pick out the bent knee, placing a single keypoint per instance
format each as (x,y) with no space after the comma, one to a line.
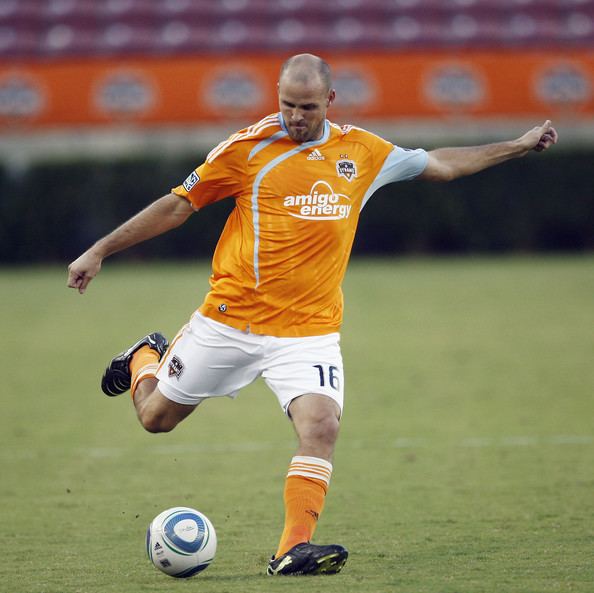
(158,414)
(156,423)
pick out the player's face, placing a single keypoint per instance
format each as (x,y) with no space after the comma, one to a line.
(304,107)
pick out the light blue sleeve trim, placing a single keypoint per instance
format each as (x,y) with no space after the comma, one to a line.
(400,165)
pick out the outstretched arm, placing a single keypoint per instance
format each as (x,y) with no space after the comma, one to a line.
(445,164)
(164,214)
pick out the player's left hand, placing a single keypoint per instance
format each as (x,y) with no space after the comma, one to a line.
(538,138)
(548,137)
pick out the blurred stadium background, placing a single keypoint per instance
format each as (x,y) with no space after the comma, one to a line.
(106,104)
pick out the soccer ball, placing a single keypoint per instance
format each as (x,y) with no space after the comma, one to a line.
(181,542)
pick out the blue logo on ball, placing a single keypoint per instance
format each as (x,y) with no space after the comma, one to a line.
(197,526)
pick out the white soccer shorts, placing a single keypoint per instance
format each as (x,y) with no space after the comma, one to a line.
(210,359)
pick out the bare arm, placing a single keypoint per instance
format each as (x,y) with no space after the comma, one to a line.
(445,164)
(164,214)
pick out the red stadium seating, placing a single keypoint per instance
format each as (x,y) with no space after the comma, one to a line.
(35,29)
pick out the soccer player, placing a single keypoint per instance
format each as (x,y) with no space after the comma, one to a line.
(275,306)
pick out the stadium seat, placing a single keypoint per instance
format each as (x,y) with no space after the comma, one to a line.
(576,27)
(64,40)
(18,44)
(174,34)
(17,9)
(121,27)
(122,38)
(524,29)
(406,32)
(178,37)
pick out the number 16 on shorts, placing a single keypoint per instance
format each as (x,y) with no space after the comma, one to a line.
(329,375)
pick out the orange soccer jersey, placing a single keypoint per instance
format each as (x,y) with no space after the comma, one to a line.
(281,258)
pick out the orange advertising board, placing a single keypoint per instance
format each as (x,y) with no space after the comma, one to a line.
(200,89)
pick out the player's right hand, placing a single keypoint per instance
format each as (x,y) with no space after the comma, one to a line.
(82,270)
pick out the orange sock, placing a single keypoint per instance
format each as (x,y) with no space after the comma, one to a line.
(305,491)
(143,365)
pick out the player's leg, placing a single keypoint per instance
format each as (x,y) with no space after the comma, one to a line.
(156,412)
(315,413)
(206,359)
(136,369)
(316,419)
(316,422)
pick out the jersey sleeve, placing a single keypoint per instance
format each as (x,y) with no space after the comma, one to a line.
(217,178)
(401,164)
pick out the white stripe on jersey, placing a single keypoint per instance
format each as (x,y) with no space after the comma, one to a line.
(253,130)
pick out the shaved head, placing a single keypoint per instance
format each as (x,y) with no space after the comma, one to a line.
(304,94)
(307,69)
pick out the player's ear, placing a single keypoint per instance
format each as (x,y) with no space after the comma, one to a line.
(331,97)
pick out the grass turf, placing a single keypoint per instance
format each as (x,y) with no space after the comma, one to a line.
(464,464)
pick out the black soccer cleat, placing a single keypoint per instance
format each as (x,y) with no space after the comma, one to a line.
(117,377)
(309,558)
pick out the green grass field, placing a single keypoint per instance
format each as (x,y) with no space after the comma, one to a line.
(465,462)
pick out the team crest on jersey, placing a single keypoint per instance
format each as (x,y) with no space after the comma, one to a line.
(192,179)
(176,367)
(347,169)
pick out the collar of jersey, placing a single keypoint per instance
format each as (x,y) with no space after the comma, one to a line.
(323,139)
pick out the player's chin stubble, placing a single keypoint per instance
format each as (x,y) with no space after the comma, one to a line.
(305,135)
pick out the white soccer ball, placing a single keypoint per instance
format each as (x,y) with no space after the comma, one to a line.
(181,542)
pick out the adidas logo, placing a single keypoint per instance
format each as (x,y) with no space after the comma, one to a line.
(315,155)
